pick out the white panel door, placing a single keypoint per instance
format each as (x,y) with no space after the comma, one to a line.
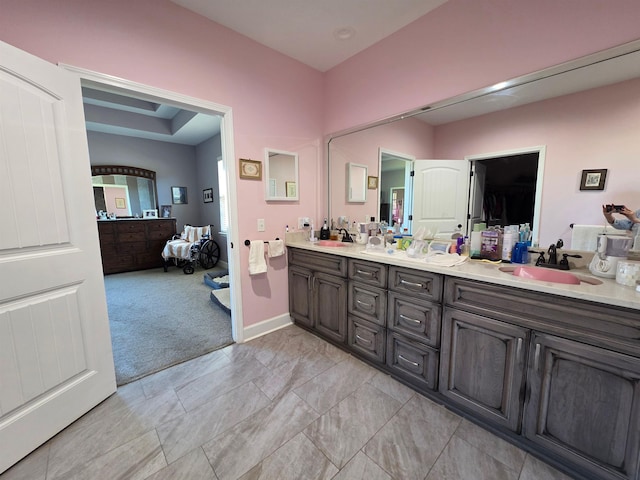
(440,195)
(55,348)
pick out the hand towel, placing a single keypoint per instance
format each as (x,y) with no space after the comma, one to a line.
(257,263)
(276,248)
(585,237)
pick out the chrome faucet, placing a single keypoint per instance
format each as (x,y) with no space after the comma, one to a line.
(345,235)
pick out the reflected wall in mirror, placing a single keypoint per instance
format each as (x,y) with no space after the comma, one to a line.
(356,183)
(122,190)
(590,128)
(281,173)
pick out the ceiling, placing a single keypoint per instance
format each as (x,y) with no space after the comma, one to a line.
(318,33)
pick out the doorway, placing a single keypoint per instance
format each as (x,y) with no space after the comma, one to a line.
(192,106)
(506,188)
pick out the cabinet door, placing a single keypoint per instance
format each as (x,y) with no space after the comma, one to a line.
(330,306)
(482,366)
(300,283)
(584,404)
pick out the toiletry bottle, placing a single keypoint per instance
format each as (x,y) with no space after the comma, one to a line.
(324,231)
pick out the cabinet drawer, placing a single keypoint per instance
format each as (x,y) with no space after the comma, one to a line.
(129,226)
(414,318)
(320,262)
(132,247)
(424,285)
(368,272)
(366,338)
(161,226)
(131,237)
(368,302)
(412,361)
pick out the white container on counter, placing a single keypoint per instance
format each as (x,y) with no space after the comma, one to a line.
(628,272)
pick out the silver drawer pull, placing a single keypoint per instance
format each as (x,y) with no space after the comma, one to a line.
(409,319)
(368,305)
(400,357)
(536,357)
(358,337)
(518,349)
(412,284)
(365,273)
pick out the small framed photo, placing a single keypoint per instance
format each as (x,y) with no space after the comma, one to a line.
(120,203)
(593,179)
(372,183)
(150,213)
(292,190)
(207,195)
(165,211)
(179,195)
(250,169)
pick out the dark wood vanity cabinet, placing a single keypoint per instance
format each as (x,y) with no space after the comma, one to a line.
(584,405)
(547,368)
(128,245)
(318,293)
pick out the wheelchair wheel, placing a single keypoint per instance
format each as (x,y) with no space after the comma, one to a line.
(209,254)
(188,269)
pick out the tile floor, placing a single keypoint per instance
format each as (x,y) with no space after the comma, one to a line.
(284,406)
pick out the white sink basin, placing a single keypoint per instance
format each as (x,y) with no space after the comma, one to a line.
(549,275)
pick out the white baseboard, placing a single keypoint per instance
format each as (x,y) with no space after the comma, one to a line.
(266,326)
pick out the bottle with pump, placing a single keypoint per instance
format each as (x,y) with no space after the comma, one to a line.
(324,231)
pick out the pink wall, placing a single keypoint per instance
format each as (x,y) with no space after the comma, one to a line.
(464,45)
(110,195)
(588,130)
(276,101)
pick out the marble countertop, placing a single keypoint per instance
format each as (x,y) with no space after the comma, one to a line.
(609,292)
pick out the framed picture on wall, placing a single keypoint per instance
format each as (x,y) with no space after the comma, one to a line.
(179,195)
(207,195)
(120,203)
(372,182)
(250,169)
(593,179)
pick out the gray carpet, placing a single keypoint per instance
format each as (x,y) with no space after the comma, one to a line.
(160,319)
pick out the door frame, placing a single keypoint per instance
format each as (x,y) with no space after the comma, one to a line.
(541,150)
(408,182)
(119,85)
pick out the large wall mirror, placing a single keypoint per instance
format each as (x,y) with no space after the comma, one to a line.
(281,174)
(542,129)
(123,191)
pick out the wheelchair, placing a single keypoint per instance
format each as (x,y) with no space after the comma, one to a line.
(194,246)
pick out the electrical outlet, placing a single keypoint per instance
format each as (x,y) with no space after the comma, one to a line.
(302,221)
(261,227)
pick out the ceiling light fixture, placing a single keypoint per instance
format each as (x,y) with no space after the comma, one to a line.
(344,33)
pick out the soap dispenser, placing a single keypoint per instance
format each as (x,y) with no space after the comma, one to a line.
(324,231)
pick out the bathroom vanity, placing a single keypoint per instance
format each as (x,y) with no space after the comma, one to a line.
(553,368)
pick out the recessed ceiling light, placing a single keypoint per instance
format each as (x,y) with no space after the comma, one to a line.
(344,33)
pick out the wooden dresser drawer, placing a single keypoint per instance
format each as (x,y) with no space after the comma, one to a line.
(419,284)
(131,237)
(415,318)
(130,226)
(366,338)
(368,302)
(320,262)
(368,272)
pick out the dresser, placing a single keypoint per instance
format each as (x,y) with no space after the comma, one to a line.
(128,245)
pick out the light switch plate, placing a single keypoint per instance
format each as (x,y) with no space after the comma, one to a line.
(261,226)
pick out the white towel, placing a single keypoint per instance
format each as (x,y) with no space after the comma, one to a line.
(276,248)
(257,263)
(585,237)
